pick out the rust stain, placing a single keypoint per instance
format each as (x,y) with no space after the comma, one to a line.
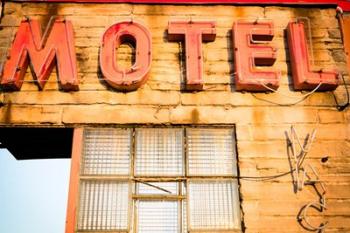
(258,116)
(195,116)
(6,115)
(52,10)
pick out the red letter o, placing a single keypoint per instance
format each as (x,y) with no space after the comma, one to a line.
(133,77)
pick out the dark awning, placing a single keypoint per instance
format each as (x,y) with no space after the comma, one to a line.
(37,143)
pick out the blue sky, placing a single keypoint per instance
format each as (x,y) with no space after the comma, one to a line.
(33,194)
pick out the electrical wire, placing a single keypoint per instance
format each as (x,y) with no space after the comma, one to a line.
(290,96)
(342,107)
(304,97)
(263,178)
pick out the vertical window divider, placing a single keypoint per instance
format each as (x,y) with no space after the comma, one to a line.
(132,211)
(184,165)
(133,152)
(130,204)
(82,157)
(187,180)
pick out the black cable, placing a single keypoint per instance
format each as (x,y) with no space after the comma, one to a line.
(343,106)
(249,178)
(262,178)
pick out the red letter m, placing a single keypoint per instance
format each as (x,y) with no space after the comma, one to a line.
(42,51)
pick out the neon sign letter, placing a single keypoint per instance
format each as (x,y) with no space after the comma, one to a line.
(250,49)
(126,32)
(193,33)
(303,77)
(42,51)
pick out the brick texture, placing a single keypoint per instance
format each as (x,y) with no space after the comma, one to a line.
(261,119)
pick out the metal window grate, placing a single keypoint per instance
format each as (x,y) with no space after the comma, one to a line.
(106,151)
(158,217)
(211,205)
(103,205)
(211,152)
(159,152)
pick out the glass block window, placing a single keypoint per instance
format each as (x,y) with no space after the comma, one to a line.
(211,152)
(103,205)
(106,151)
(158,217)
(212,205)
(159,152)
(159,180)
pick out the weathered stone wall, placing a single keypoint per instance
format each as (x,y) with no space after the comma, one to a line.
(268,206)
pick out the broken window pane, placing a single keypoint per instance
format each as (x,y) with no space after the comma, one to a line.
(166,188)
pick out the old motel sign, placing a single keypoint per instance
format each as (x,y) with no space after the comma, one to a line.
(251,40)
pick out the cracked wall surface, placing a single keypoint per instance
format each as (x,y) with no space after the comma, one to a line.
(261,123)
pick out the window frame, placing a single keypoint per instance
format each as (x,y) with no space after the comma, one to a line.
(77,177)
